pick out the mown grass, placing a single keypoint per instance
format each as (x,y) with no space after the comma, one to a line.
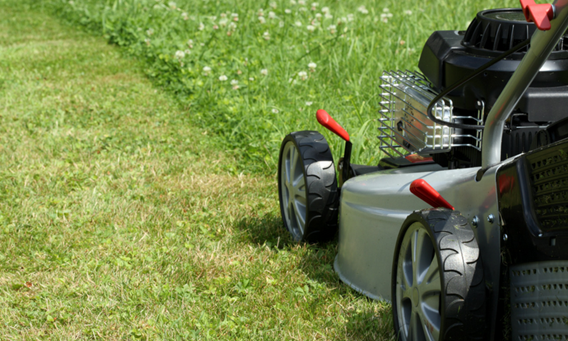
(350,43)
(120,220)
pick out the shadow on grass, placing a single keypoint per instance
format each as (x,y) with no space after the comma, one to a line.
(367,324)
(269,230)
(266,230)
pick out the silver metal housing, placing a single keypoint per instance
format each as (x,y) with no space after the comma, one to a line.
(373,208)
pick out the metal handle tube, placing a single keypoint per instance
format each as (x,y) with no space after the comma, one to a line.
(542,44)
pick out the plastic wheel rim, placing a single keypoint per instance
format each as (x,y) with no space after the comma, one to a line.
(293,185)
(418,286)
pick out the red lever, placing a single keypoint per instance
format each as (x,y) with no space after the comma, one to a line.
(540,14)
(424,191)
(325,120)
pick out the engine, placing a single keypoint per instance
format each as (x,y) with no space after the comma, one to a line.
(450,56)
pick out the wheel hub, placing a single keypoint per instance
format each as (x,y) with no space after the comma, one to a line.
(415,297)
(294,194)
(418,286)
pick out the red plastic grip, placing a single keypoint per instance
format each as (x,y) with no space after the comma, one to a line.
(540,14)
(424,191)
(325,120)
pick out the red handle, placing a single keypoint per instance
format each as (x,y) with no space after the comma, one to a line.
(325,120)
(540,14)
(424,191)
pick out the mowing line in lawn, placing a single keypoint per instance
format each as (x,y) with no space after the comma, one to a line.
(120,220)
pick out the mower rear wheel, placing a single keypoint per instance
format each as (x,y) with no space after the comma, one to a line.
(307,187)
(438,291)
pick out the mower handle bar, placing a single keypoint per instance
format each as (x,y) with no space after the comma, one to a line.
(541,45)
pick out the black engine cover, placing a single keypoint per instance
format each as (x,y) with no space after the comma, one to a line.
(450,56)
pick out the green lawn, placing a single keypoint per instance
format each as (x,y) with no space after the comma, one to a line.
(253,71)
(138,197)
(120,220)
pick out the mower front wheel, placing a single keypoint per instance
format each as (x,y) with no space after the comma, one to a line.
(307,187)
(438,292)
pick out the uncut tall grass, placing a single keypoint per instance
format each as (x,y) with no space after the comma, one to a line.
(250,72)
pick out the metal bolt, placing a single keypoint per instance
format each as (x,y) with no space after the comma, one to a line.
(505,237)
(475,221)
(490,219)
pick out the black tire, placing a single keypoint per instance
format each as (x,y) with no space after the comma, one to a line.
(431,240)
(307,187)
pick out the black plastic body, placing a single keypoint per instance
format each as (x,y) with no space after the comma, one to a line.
(445,60)
(450,56)
(533,204)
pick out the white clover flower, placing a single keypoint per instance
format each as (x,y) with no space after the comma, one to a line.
(325,10)
(234,82)
(232,26)
(293,2)
(201,26)
(303,75)
(275,111)
(264,72)
(312,66)
(185,16)
(318,15)
(281,24)
(287,11)
(266,35)
(260,12)
(251,79)
(179,54)
(223,15)
(261,20)
(386,10)
(350,17)
(302,9)
(408,12)
(150,32)
(234,15)
(206,69)
(272,15)
(301,2)
(311,28)
(273,5)
(309,104)
(332,29)
(298,23)
(172,5)
(223,78)
(363,10)
(328,16)
(147,41)
(315,4)
(223,22)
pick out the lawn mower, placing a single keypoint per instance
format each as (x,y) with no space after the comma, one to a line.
(463,224)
